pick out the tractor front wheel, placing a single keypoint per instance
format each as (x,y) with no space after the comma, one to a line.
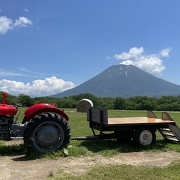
(46,132)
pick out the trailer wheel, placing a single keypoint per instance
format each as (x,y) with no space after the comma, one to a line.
(46,132)
(145,136)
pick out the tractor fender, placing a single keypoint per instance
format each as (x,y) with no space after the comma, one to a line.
(39,108)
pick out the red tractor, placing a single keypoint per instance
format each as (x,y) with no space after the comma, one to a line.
(44,127)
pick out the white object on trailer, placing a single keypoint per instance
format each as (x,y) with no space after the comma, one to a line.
(83,105)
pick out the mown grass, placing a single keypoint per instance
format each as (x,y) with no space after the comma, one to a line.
(124,172)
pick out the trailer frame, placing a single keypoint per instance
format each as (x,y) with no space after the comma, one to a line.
(140,129)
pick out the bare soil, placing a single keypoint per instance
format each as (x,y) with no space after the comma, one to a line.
(18,167)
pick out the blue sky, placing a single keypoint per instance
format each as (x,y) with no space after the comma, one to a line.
(48,46)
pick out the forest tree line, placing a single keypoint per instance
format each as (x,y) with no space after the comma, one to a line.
(164,103)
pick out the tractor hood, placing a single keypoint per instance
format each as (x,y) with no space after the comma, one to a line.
(9,110)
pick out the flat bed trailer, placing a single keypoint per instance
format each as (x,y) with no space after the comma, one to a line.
(140,129)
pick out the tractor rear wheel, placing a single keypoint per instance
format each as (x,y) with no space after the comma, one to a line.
(46,132)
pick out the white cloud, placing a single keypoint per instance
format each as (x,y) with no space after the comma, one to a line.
(31,73)
(165,52)
(8,24)
(108,57)
(47,86)
(10,73)
(6,73)
(133,53)
(5,24)
(26,10)
(151,63)
(22,22)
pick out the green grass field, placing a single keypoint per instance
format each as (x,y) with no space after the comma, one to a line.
(124,172)
(79,127)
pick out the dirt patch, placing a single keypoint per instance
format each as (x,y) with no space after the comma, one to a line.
(18,167)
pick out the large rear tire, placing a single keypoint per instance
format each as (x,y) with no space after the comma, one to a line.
(46,132)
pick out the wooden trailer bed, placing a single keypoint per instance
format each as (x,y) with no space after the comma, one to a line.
(137,120)
(99,117)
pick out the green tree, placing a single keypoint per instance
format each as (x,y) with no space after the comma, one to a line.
(119,103)
(25,100)
(107,103)
(68,103)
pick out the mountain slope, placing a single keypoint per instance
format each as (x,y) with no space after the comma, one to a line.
(125,81)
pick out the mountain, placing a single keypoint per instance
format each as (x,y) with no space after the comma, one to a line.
(124,81)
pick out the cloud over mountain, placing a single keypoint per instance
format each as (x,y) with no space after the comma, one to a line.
(151,63)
